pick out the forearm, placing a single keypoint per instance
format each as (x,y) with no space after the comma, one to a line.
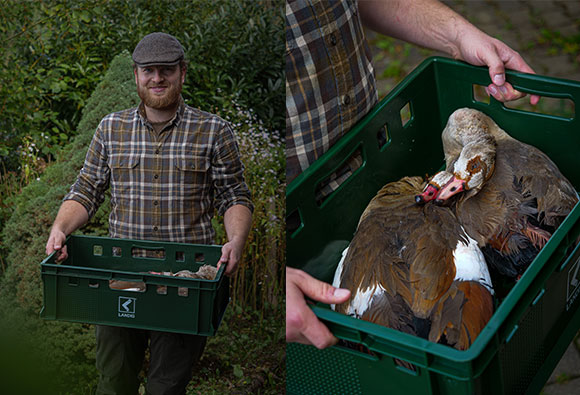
(238,221)
(427,23)
(71,216)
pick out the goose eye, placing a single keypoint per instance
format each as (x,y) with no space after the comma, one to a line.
(474,166)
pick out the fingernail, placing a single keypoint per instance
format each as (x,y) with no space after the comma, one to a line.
(341,292)
(499,79)
(503,90)
(492,89)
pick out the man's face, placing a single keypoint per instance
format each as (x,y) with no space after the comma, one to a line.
(159,86)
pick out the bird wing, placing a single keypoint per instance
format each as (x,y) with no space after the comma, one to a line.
(461,314)
(540,179)
(400,251)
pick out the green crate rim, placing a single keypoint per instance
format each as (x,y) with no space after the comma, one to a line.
(534,84)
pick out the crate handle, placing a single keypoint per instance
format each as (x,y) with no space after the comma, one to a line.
(124,276)
(334,322)
(147,248)
(356,353)
(537,85)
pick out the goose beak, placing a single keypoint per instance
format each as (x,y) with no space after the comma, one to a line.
(453,187)
(428,194)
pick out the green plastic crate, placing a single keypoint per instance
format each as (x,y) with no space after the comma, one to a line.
(534,324)
(78,289)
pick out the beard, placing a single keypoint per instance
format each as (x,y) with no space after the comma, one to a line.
(164,102)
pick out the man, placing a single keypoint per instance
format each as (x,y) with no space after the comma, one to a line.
(168,166)
(330,86)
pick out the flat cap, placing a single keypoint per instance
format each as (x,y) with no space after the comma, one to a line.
(158,49)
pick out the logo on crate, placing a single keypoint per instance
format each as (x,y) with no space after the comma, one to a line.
(127,307)
(573,284)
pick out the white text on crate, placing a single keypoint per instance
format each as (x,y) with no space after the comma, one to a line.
(126,307)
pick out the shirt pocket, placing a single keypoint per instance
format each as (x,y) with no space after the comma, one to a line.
(192,175)
(124,169)
(126,176)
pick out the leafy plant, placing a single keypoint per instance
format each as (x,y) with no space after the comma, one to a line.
(55,54)
(70,347)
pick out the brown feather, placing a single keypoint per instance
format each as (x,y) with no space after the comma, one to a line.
(405,248)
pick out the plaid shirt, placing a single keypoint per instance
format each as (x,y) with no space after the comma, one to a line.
(330,83)
(163,185)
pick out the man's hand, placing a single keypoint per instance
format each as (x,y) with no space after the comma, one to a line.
(231,255)
(432,24)
(56,242)
(479,49)
(71,216)
(237,221)
(302,325)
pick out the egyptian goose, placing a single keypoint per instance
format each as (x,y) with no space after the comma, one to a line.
(412,268)
(514,196)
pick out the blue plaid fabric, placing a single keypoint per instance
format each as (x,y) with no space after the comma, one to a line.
(164,186)
(330,81)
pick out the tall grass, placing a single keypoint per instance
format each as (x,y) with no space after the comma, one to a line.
(259,282)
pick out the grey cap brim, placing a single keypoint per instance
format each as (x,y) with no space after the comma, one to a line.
(159,63)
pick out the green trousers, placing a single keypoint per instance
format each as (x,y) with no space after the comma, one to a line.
(120,355)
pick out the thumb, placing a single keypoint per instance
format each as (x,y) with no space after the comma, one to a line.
(491,58)
(224,258)
(322,292)
(496,67)
(225,253)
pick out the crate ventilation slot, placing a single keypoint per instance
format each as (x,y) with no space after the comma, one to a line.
(406,114)
(558,107)
(330,184)
(139,252)
(383,137)
(293,222)
(97,250)
(480,95)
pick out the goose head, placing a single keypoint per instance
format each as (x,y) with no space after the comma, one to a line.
(434,186)
(472,169)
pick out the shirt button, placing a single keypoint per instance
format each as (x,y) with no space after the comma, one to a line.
(156,176)
(155,203)
(346,99)
(157,151)
(333,39)
(155,228)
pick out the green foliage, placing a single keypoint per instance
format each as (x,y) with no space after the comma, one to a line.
(68,349)
(56,52)
(259,282)
(243,357)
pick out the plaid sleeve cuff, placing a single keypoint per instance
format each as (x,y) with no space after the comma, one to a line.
(241,196)
(85,201)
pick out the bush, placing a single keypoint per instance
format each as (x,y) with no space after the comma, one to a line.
(69,348)
(66,350)
(55,53)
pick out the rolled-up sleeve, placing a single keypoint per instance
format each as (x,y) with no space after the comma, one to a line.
(228,173)
(93,179)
